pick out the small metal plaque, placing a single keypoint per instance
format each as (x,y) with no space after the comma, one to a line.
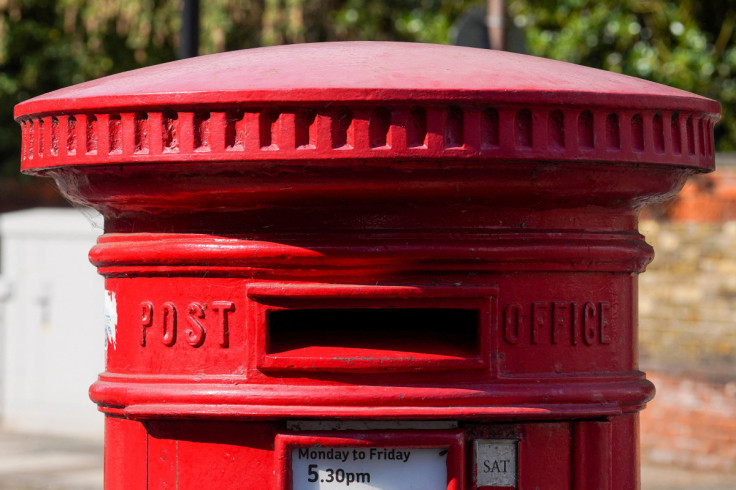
(495,463)
(368,468)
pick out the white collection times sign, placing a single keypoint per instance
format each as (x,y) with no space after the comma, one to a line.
(368,468)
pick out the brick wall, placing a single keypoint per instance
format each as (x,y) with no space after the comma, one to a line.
(687,325)
(687,296)
(705,198)
(691,423)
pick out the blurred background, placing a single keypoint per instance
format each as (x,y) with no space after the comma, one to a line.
(51,301)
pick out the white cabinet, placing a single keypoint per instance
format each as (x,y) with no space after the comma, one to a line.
(52,336)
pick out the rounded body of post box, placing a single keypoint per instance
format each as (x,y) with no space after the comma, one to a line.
(416,269)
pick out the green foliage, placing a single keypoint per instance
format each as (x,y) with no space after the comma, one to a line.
(49,44)
(685,44)
(428,21)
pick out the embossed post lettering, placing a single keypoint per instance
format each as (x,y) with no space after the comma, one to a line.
(196,332)
(224,308)
(169,324)
(197,324)
(146,319)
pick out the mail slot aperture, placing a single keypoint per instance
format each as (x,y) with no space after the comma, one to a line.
(442,332)
(357,328)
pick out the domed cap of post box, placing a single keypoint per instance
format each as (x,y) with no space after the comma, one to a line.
(365,100)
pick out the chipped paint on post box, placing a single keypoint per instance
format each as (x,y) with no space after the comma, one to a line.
(436,243)
(111,319)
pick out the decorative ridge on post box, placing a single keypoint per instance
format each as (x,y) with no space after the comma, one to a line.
(437,245)
(273,104)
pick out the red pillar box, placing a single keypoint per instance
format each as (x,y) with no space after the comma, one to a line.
(370,265)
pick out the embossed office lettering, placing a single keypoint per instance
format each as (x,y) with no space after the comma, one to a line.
(557,322)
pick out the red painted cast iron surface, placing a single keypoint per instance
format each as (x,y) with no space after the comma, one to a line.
(369,231)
